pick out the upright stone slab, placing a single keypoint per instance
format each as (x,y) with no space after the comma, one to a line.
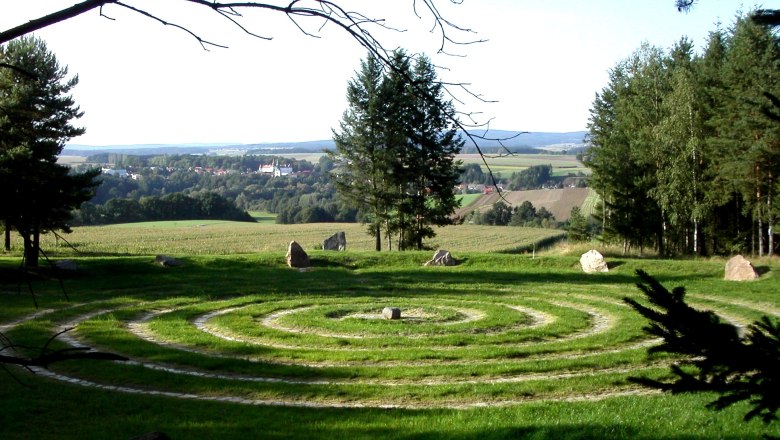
(296,256)
(391,313)
(593,261)
(738,268)
(441,258)
(336,242)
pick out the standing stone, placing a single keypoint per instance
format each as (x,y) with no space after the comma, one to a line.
(391,313)
(593,261)
(442,258)
(336,242)
(738,268)
(296,256)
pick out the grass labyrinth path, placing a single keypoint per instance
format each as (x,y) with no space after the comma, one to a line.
(317,339)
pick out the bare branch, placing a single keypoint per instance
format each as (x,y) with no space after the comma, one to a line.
(203,43)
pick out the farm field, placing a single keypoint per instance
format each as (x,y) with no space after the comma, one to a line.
(504,166)
(240,346)
(200,237)
(558,201)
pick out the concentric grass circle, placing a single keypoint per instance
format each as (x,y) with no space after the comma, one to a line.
(459,350)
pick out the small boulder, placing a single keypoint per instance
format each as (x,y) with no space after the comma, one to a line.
(391,313)
(593,261)
(738,268)
(66,265)
(296,256)
(442,258)
(336,242)
(166,261)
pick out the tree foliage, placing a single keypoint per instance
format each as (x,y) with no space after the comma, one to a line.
(35,122)
(717,359)
(534,177)
(395,150)
(682,150)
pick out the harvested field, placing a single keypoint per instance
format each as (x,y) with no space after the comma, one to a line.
(557,201)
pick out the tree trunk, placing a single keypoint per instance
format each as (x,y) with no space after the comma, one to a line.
(770,218)
(30,252)
(7,237)
(378,237)
(760,230)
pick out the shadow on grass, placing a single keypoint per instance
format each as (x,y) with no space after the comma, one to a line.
(762,270)
(51,410)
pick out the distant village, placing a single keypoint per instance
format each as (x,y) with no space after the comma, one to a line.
(275,169)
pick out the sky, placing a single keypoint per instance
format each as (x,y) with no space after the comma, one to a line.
(542,62)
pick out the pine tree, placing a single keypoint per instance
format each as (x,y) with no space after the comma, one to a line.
(628,213)
(35,113)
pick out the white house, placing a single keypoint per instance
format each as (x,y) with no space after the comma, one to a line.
(275,169)
(115,173)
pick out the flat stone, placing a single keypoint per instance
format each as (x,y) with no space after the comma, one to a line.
(66,265)
(166,261)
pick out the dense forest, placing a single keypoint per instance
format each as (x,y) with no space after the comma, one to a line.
(685,147)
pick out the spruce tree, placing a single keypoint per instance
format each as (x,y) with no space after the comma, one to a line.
(433,171)
(35,122)
(395,150)
(361,157)
(716,358)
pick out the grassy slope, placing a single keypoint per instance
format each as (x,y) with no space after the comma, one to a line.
(56,410)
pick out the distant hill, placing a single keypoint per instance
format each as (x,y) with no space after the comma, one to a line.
(513,140)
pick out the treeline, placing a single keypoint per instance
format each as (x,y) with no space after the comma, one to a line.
(177,206)
(533,177)
(578,226)
(501,214)
(685,148)
(245,163)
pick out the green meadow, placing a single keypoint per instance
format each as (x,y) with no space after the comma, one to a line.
(234,344)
